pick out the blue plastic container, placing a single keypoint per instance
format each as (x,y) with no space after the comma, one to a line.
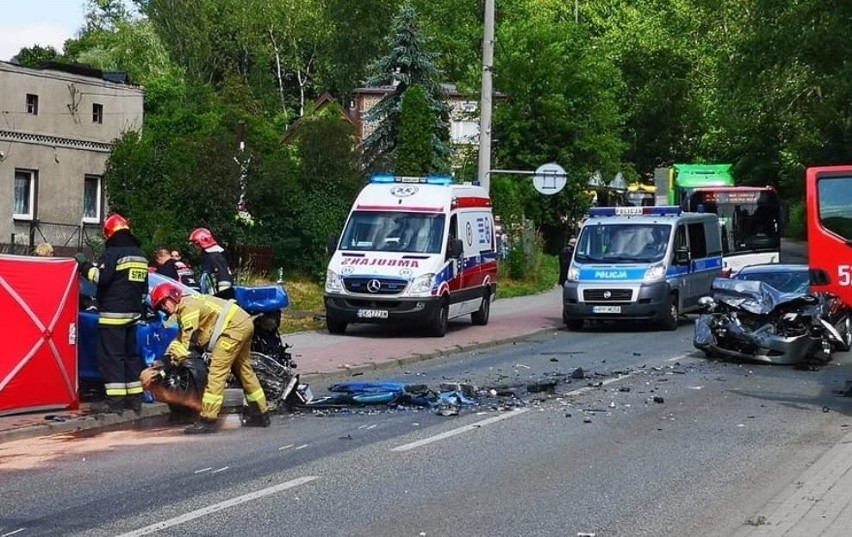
(268,299)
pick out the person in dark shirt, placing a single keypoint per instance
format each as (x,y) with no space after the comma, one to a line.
(166,265)
(121,276)
(216,277)
(565,260)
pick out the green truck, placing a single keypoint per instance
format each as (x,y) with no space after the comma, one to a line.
(674,185)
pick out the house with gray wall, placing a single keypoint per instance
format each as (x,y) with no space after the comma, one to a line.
(57,127)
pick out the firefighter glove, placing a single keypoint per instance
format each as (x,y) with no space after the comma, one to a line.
(81,257)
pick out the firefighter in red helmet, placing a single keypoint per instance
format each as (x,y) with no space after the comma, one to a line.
(216,277)
(121,276)
(223,329)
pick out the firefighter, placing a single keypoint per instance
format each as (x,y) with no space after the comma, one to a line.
(175,269)
(121,276)
(225,330)
(214,266)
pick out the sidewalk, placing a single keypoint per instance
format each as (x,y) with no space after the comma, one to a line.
(321,355)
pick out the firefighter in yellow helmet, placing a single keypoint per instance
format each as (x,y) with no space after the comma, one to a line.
(225,330)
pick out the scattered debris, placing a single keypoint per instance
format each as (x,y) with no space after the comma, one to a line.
(624,389)
(554,359)
(578,373)
(825,409)
(542,386)
(658,399)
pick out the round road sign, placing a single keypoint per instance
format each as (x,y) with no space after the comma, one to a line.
(549,178)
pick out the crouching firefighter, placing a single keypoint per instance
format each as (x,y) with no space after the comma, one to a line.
(223,329)
(121,275)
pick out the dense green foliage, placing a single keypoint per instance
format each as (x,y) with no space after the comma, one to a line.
(629,86)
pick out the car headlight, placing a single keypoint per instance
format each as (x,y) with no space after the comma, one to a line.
(654,273)
(573,274)
(421,284)
(333,283)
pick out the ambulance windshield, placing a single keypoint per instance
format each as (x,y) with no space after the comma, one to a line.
(394,232)
(622,243)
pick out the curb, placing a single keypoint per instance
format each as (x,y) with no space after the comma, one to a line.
(421,357)
(153,410)
(84,423)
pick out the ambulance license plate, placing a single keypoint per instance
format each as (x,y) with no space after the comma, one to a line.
(373,314)
(606,309)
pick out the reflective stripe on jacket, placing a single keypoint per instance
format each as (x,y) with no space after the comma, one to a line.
(202,320)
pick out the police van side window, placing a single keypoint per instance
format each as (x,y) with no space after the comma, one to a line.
(679,240)
(697,240)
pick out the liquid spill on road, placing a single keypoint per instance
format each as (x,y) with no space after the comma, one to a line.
(32,453)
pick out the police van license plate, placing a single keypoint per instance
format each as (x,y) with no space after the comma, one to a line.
(373,314)
(606,309)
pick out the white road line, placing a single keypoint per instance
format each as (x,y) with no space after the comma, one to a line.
(683,356)
(220,470)
(303,446)
(198,513)
(288,446)
(19,530)
(204,470)
(460,430)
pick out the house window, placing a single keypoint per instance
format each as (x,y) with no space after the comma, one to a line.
(97,113)
(464,132)
(32,104)
(92,199)
(25,191)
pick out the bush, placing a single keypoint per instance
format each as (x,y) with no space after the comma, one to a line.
(797,227)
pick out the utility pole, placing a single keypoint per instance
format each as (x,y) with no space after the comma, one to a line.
(486,97)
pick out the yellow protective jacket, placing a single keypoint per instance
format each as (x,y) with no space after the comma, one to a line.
(202,319)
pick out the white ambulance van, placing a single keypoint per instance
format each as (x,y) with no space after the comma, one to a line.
(414,251)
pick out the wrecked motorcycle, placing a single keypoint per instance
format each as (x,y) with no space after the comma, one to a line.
(753,321)
(182,386)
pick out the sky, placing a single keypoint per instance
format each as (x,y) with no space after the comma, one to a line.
(24,23)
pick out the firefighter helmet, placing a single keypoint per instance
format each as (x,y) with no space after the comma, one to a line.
(113,224)
(163,291)
(202,238)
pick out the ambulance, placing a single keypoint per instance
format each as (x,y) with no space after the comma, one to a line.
(414,251)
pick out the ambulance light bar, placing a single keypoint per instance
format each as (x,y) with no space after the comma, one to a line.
(428,180)
(635,211)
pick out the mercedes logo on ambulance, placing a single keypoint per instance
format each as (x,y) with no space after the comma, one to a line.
(607,295)
(373,286)
(403,191)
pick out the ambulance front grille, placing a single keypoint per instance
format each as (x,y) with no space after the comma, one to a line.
(374,286)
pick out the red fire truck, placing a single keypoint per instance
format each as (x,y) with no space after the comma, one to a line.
(829,210)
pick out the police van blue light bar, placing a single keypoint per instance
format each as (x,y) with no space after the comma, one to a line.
(635,211)
(429,179)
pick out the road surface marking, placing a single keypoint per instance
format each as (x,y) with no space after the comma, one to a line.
(288,446)
(303,446)
(220,470)
(204,470)
(198,513)
(683,356)
(460,430)
(19,530)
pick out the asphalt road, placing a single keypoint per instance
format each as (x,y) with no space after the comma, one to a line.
(592,457)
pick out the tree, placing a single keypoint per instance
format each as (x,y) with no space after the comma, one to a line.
(563,107)
(415,149)
(36,55)
(408,63)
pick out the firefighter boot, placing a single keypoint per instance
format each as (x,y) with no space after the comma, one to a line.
(202,426)
(110,405)
(254,417)
(134,403)
(258,420)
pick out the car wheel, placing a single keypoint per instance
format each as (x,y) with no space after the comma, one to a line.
(847,332)
(438,327)
(672,314)
(334,326)
(481,316)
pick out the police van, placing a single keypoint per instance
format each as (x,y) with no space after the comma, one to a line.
(641,263)
(414,251)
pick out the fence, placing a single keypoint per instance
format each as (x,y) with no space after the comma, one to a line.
(66,239)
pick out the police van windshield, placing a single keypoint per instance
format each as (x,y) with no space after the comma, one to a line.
(394,232)
(622,243)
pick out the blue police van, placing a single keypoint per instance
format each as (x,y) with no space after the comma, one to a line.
(641,263)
